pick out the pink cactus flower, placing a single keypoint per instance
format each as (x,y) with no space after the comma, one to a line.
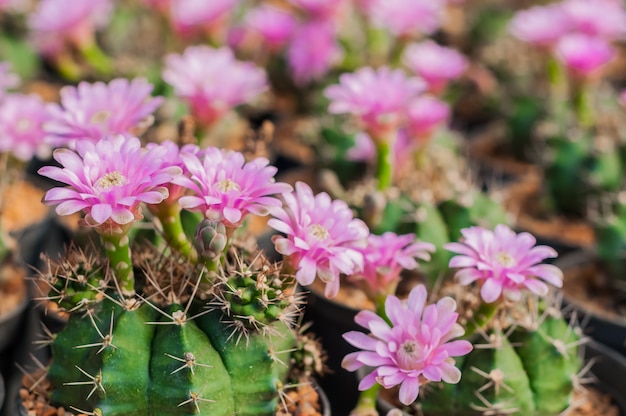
(386,256)
(378,97)
(540,25)
(192,16)
(322,237)
(173,158)
(313,51)
(424,114)
(226,188)
(407,17)
(417,347)
(583,54)
(505,262)
(8,79)
(212,81)
(93,111)
(274,25)
(601,18)
(54,25)
(21,120)
(108,181)
(436,64)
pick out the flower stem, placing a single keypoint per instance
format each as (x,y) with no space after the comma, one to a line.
(97,58)
(384,165)
(117,250)
(483,315)
(583,106)
(366,404)
(174,232)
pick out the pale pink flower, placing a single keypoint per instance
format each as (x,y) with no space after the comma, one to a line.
(173,157)
(417,347)
(93,111)
(319,9)
(386,256)
(424,114)
(378,97)
(313,51)
(273,24)
(322,237)
(436,64)
(226,188)
(407,17)
(54,25)
(504,262)
(21,120)
(191,16)
(212,81)
(601,18)
(8,79)
(108,181)
(540,25)
(583,54)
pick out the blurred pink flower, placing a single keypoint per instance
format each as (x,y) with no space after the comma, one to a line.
(424,114)
(226,188)
(21,120)
(540,25)
(273,24)
(212,81)
(601,18)
(8,79)
(407,17)
(386,256)
(583,54)
(505,262)
(436,64)
(192,16)
(414,348)
(322,237)
(313,51)
(54,25)
(93,111)
(378,97)
(108,180)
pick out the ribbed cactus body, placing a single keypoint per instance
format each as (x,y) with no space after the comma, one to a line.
(156,365)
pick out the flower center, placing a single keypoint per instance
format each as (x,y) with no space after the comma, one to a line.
(505,259)
(319,232)
(410,355)
(23,125)
(111,179)
(100,117)
(226,185)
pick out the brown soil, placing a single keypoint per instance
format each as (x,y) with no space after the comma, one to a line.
(12,287)
(21,206)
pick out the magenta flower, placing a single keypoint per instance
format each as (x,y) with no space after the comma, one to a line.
(212,81)
(540,25)
(601,18)
(378,97)
(505,262)
(386,255)
(54,26)
(93,111)
(313,51)
(583,54)
(8,79)
(322,237)
(192,16)
(416,348)
(407,17)
(436,64)
(226,188)
(21,120)
(108,180)
(274,25)
(424,114)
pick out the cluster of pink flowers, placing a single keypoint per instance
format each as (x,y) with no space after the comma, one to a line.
(407,18)
(505,263)
(93,111)
(212,81)
(578,32)
(414,347)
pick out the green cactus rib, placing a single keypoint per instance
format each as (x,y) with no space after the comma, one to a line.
(133,363)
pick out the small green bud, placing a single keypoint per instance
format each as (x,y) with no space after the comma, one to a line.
(210,239)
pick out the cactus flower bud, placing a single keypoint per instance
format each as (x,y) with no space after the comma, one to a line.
(210,239)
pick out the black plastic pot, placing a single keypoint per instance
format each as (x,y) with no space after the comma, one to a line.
(608,370)
(10,324)
(610,331)
(2,392)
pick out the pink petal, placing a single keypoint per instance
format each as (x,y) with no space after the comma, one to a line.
(409,391)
